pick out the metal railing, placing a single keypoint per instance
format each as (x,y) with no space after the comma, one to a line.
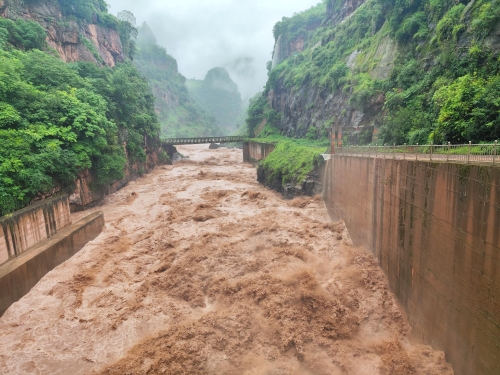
(487,153)
(202,140)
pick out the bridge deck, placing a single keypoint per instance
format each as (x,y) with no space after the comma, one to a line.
(202,140)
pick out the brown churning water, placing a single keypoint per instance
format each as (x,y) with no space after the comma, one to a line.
(202,271)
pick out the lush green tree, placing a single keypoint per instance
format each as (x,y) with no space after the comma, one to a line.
(469,110)
(59,119)
(22,34)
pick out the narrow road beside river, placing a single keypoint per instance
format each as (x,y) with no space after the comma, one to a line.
(200,270)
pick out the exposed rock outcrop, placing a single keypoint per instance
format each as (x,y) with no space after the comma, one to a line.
(285,47)
(312,185)
(73,41)
(336,14)
(2,7)
(312,106)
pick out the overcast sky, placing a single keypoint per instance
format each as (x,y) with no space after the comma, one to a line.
(203,34)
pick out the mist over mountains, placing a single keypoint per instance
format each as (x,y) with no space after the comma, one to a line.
(218,95)
(201,35)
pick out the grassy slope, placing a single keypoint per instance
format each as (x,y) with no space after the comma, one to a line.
(294,159)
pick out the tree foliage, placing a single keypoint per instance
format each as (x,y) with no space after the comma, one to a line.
(443,82)
(59,119)
(22,34)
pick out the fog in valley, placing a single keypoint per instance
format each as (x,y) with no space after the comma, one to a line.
(203,34)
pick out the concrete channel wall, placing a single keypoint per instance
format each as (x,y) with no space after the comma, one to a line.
(255,151)
(435,229)
(18,276)
(31,225)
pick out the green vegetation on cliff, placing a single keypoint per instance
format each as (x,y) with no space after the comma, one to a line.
(218,95)
(417,72)
(292,159)
(57,119)
(434,66)
(21,34)
(178,114)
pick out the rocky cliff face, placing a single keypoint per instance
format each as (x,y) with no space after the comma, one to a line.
(72,40)
(371,71)
(86,195)
(337,11)
(2,7)
(312,106)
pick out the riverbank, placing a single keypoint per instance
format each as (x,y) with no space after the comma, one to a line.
(201,270)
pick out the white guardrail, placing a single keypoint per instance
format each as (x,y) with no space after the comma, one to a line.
(487,153)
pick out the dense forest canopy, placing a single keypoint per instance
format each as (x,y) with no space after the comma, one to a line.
(58,119)
(444,82)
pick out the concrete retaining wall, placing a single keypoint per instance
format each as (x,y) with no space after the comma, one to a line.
(29,226)
(255,151)
(435,229)
(18,276)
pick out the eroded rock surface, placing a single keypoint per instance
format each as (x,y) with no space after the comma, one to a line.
(73,41)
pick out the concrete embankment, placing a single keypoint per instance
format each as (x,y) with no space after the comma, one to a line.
(435,229)
(29,226)
(22,273)
(256,151)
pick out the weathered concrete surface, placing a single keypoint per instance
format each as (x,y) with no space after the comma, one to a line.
(435,229)
(18,276)
(256,151)
(27,227)
(66,35)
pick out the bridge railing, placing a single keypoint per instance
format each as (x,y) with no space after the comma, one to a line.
(467,153)
(202,140)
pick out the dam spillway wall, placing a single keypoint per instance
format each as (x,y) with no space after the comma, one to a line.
(31,225)
(256,151)
(19,275)
(435,230)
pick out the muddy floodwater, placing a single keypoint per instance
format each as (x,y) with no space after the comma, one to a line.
(200,270)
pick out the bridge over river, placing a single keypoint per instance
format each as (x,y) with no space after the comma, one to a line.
(202,140)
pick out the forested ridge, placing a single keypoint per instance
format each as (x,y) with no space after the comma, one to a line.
(104,112)
(417,71)
(378,72)
(178,114)
(58,119)
(218,94)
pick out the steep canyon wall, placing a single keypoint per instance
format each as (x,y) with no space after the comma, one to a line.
(435,229)
(74,41)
